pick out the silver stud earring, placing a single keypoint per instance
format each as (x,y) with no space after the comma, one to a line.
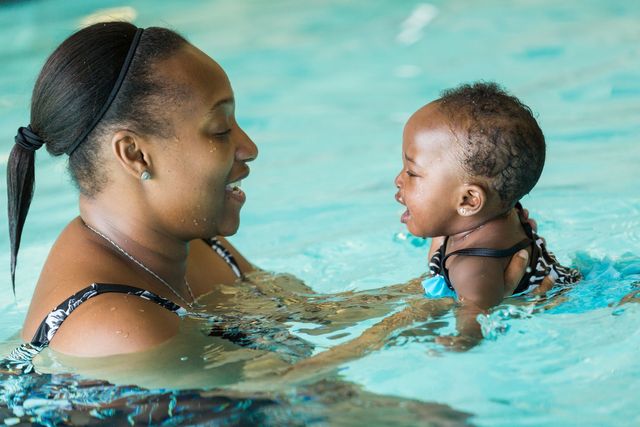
(145,175)
(462,211)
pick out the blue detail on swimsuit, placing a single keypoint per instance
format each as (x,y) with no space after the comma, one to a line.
(436,287)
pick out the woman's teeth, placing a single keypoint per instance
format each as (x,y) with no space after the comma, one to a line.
(233,186)
(234,191)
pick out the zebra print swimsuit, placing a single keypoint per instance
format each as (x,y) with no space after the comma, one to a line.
(543,263)
(22,357)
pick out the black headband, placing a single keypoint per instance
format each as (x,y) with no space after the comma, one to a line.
(114,91)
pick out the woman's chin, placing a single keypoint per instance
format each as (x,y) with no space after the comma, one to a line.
(229,226)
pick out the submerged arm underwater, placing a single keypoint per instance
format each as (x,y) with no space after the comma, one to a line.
(417,309)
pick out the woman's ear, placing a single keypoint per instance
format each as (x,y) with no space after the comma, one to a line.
(132,153)
(471,200)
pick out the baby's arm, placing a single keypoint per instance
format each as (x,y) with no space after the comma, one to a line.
(480,285)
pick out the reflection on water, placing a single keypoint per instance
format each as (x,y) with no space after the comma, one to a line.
(250,334)
(229,368)
(51,399)
(246,341)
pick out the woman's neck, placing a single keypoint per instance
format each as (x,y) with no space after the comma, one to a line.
(128,227)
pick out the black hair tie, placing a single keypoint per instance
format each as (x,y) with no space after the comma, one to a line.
(28,139)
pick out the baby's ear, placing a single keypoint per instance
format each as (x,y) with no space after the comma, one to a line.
(471,200)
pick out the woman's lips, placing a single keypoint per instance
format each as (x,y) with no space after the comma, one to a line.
(234,191)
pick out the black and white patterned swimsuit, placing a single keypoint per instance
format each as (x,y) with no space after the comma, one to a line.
(21,358)
(543,263)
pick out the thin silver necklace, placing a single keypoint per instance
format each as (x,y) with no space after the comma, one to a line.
(147,269)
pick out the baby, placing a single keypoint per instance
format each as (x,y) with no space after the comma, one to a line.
(468,158)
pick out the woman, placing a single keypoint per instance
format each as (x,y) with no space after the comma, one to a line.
(148,123)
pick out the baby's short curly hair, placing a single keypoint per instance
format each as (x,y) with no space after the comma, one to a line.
(500,139)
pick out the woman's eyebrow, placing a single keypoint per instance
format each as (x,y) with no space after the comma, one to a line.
(223,102)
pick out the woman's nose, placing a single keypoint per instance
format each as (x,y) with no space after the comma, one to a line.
(247,150)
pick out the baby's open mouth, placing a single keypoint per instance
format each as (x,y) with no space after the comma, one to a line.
(405,216)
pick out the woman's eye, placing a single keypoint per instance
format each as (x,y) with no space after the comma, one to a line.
(411,174)
(223,134)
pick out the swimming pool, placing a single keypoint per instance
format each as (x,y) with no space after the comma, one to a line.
(323,88)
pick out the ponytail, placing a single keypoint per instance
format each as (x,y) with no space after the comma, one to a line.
(20,184)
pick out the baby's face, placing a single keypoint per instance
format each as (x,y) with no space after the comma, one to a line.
(430,179)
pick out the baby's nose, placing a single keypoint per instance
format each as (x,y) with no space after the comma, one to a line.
(397,181)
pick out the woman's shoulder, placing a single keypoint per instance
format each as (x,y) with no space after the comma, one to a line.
(114,324)
(109,323)
(75,261)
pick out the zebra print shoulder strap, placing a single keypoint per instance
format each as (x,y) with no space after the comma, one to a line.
(225,255)
(22,356)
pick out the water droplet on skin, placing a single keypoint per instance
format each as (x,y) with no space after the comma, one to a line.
(195,222)
(112,309)
(141,310)
(126,335)
(184,358)
(118,332)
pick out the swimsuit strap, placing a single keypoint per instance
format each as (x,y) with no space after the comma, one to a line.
(21,357)
(542,263)
(54,319)
(225,255)
(483,252)
(491,253)
(496,253)
(531,273)
(52,322)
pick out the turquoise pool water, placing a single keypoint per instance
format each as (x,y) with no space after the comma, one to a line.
(323,87)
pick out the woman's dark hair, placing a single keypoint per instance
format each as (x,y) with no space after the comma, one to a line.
(71,89)
(501,139)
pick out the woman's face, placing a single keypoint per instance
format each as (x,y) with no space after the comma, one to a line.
(196,171)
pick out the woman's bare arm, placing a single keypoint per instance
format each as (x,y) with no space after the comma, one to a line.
(417,309)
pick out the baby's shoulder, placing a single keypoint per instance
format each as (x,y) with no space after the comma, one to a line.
(478,279)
